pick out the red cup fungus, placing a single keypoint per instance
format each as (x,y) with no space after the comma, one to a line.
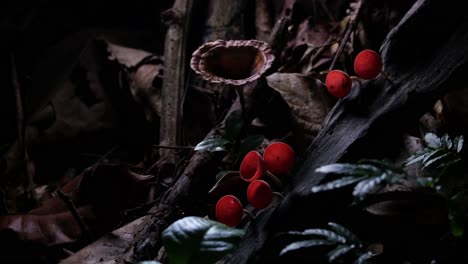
(367,64)
(338,83)
(229,210)
(259,194)
(278,158)
(251,168)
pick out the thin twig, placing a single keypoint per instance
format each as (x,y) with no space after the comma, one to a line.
(349,30)
(20,127)
(76,215)
(322,46)
(173,147)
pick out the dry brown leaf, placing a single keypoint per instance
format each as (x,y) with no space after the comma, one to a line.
(306,97)
(126,56)
(144,72)
(109,248)
(145,86)
(100,194)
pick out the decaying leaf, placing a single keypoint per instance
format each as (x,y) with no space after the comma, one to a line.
(144,73)
(315,34)
(108,248)
(307,99)
(126,56)
(99,194)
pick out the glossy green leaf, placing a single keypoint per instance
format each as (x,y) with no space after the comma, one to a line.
(212,145)
(363,259)
(436,161)
(305,244)
(327,234)
(199,240)
(233,125)
(446,142)
(338,252)
(434,154)
(432,140)
(458,143)
(336,184)
(350,236)
(366,186)
(381,164)
(348,169)
(418,156)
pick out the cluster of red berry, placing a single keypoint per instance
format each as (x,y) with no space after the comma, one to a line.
(277,159)
(367,65)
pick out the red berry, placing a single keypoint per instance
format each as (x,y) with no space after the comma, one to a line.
(367,64)
(229,210)
(259,194)
(338,83)
(251,168)
(278,158)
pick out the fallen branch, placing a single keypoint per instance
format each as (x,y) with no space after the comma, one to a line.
(175,71)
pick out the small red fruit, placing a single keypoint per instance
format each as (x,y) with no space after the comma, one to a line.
(338,83)
(229,210)
(367,64)
(278,158)
(259,194)
(251,168)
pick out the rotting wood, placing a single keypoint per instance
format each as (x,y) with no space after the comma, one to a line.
(175,71)
(413,54)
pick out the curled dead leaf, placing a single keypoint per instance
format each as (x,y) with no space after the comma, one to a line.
(144,73)
(306,97)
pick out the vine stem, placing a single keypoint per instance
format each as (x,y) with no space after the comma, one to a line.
(349,30)
(21,129)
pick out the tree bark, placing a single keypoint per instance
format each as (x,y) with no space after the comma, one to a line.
(175,49)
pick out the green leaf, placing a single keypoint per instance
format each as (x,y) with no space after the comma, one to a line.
(233,125)
(250,143)
(365,186)
(305,244)
(436,160)
(433,154)
(199,240)
(446,142)
(338,252)
(212,145)
(339,183)
(432,140)
(458,143)
(149,262)
(383,165)
(329,235)
(350,236)
(364,257)
(418,156)
(348,169)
